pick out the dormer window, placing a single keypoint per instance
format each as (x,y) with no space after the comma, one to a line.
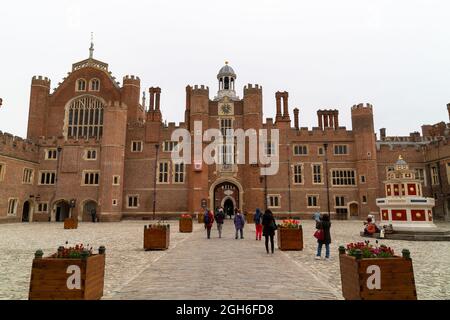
(95,85)
(81,85)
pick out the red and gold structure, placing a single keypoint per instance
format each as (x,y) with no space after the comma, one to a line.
(404,205)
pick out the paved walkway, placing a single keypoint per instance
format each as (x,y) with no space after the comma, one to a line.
(197,268)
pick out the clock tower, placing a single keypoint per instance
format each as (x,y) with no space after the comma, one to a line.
(227,79)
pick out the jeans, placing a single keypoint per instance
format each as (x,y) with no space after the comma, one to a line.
(208,232)
(327,250)
(241,231)
(258,231)
(271,243)
(219,228)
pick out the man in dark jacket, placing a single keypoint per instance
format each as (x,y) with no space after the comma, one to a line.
(324,226)
(220,217)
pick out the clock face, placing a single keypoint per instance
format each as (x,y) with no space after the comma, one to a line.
(226,109)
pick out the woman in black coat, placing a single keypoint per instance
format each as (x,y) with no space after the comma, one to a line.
(324,225)
(269,227)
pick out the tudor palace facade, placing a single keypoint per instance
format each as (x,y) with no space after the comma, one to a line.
(95,144)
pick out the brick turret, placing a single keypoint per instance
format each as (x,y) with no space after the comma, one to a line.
(40,91)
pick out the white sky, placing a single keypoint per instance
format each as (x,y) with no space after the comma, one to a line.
(327,54)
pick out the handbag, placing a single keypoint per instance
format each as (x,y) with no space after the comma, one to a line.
(319,234)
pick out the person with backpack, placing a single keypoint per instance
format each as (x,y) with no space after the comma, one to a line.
(323,236)
(239,223)
(269,227)
(208,220)
(258,223)
(220,217)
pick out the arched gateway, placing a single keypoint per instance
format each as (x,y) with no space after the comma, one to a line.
(227,194)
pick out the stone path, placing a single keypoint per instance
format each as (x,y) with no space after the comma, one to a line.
(236,269)
(225,268)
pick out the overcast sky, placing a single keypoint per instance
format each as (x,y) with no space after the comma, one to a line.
(326,54)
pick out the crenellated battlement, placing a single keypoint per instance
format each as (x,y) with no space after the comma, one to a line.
(40,81)
(131,80)
(11,145)
(250,89)
(362,108)
(200,90)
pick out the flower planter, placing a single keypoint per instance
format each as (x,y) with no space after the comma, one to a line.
(290,238)
(186,225)
(377,278)
(67,279)
(200,217)
(249,217)
(156,237)
(71,223)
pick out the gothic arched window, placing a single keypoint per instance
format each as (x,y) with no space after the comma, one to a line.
(95,85)
(81,85)
(85,118)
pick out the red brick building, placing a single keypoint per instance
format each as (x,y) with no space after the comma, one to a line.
(95,141)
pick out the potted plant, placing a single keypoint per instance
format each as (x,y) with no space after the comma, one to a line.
(186,223)
(71,223)
(375,273)
(290,235)
(73,273)
(157,236)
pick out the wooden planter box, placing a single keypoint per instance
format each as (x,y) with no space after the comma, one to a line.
(156,238)
(200,217)
(50,278)
(396,278)
(186,225)
(71,223)
(290,239)
(250,217)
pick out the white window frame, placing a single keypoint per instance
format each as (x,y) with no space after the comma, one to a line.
(338,146)
(341,197)
(424,180)
(12,212)
(362,199)
(299,147)
(86,153)
(54,151)
(83,178)
(41,172)
(91,84)
(2,171)
(169,146)
(318,151)
(434,175)
(301,174)
(167,173)
(317,201)
(175,173)
(313,174)
(273,197)
(362,178)
(77,85)
(39,209)
(136,143)
(30,176)
(226,124)
(128,201)
(115,203)
(269,148)
(344,170)
(118,180)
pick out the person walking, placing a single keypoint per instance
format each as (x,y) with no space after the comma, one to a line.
(258,223)
(239,223)
(93,215)
(208,220)
(323,236)
(220,217)
(269,227)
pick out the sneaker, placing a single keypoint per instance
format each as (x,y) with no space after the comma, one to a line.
(317,258)
(327,259)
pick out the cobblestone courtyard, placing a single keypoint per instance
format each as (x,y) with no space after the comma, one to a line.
(235,269)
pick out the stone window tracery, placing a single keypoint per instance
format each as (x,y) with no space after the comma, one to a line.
(85,118)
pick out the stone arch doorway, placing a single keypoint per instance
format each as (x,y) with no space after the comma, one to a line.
(224,188)
(88,207)
(61,210)
(354,210)
(27,211)
(228,206)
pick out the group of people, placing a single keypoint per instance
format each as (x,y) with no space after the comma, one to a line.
(265,225)
(370,227)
